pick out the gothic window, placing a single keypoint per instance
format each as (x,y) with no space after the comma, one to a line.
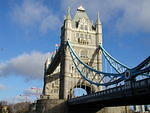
(83,41)
(76,24)
(78,40)
(86,28)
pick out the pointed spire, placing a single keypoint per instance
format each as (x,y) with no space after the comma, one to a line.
(68,13)
(98,19)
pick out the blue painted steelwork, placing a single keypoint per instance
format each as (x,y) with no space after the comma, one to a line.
(119,67)
(98,72)
(102,75)
(143,67)
(123,72)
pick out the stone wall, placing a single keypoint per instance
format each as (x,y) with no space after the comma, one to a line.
(60,106)
(121,109)
(51,106)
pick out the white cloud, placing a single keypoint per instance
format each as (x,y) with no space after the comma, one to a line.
(120,15)
(49,23)
(31,66)
(34,14)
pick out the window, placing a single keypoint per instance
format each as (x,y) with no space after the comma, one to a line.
(56,82)
(77,24)
(55,90)
(77,34)
(89,36)
(81,36)
(52,85)
(78,40)
(86,28)
(81,27)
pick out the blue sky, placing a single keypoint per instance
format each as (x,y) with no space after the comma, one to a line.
(29,30)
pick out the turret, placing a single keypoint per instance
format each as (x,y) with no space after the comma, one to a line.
(67,25)
(98,30)
(65,58)
(68,17)
(98,22)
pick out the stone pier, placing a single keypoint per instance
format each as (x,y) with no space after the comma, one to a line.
(60,106)
(51,106)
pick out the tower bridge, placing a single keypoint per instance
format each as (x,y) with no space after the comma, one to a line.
(82,62)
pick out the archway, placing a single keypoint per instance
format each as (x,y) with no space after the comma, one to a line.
(80,90)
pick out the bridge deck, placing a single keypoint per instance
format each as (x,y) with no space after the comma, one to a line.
(129,94)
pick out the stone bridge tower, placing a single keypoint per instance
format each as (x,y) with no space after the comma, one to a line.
(84,37)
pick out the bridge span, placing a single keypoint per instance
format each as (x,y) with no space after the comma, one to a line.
(132,93)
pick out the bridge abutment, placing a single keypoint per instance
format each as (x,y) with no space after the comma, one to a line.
(60,106)
(98,109)
(51,106)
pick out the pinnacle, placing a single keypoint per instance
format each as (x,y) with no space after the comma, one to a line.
(98,19)
(68,13)
(80,8)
